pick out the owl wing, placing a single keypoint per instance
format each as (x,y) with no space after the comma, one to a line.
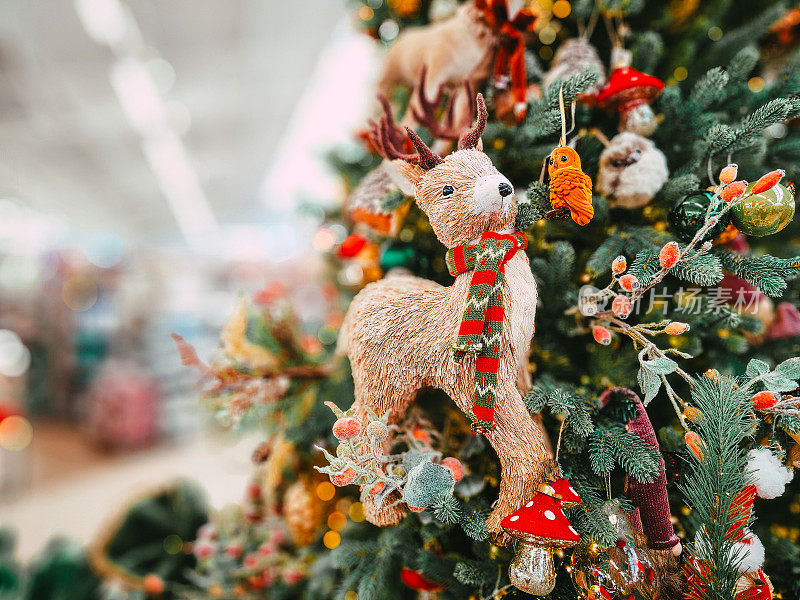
(571,188)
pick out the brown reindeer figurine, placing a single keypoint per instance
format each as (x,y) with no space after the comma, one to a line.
(406,333)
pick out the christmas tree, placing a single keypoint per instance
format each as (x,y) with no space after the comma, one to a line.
(618,174)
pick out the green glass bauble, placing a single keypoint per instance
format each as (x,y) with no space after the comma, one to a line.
(687,216)
(765,213)
(397,255)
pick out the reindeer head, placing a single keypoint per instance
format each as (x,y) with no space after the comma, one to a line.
(463,194)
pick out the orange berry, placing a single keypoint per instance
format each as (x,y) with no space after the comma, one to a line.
(728,174)
(764,400)
(695,444)
(455,466)
(601,335)
(629,282)
(692,414)
(733,190)
(153,584)
(712,374)
(377,488)
(344,478)
(768,181)
(416,508)
(669,254)
(619,265)
(676,328)
(346,428)
(621,306)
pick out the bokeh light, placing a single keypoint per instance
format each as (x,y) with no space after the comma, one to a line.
(680,73)
(715,33)
(388,30)
(561,9)
(756,84)
(337,520)
(16,433)
(545,52)
(326,491)
(15,358)
(79,292)
(331,539)
(356,512)
(173,544)
(547,35)
(324,239)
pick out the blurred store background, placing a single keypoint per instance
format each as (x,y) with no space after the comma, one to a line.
(156,160)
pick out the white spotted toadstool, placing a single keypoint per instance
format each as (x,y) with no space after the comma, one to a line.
(564,491)
(540,527)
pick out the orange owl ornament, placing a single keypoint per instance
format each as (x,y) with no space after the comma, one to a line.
(570,187)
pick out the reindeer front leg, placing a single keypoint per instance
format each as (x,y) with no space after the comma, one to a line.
(519,439)
(522,446)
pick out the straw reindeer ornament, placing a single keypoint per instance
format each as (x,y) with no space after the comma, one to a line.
(470,339)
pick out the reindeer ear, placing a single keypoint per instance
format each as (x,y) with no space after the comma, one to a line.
(405,175)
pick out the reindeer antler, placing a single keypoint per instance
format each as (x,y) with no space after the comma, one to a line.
(388,139)
(448,129)
(471,138)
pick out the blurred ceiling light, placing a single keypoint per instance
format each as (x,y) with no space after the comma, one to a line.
(169,162)
(138,95)
(15,358)
(139,85)
(163,73)
(106,21)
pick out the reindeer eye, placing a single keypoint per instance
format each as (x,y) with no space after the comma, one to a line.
(447,190)
(563,158)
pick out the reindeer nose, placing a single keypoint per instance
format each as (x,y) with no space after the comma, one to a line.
(505,189)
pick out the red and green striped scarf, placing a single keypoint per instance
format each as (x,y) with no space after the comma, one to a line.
(481,328)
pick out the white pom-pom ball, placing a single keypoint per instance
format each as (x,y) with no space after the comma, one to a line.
(767,473)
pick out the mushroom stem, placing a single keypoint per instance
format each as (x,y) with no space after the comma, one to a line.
(532,569)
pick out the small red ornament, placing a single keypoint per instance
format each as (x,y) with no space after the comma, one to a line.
(377,488)
(629,282)
(768,181)
(153,584)
(676,328)
(344,478)
(669,254)
(601,335)
(695,443)
(455,466)
(418,581)
(764,400)
(346,428)
(621,306)
(728,174)
(733,190)
(352,245)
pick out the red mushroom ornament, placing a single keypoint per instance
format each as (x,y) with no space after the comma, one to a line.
(630,92)
(540,526)
(564,492)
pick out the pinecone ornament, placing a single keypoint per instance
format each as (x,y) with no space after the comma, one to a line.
(572,57)
(303,512)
